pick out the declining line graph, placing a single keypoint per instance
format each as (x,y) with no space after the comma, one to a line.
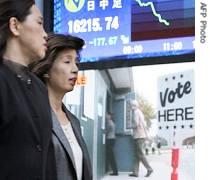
(151,4)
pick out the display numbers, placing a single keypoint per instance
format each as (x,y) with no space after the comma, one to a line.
(172,46)
(93,25)
(132,49)
(103,41)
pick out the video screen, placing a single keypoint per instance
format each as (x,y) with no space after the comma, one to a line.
(128,29)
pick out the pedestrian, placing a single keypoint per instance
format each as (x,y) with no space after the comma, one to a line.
(153,145)
(59,70)
(146,147)
(110,139)
(26,149)
(159,146)
(139,135)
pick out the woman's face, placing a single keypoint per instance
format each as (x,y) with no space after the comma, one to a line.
(64,71)
(108,117)
(32,36)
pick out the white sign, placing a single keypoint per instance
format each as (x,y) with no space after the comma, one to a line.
(176,106)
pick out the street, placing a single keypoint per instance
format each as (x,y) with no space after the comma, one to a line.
(161,165)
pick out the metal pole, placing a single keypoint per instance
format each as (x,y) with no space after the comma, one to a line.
(174,159)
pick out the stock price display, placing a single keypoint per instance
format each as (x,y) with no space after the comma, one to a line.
(127,28)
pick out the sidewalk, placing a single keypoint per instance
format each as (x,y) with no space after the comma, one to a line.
(161,165)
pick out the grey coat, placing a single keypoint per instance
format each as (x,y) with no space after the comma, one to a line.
(65,163)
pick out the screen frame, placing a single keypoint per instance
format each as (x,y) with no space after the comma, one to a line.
(48,12)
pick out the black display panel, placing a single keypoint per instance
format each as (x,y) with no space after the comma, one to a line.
(128,32)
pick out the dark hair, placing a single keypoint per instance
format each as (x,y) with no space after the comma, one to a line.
(8,9)
(56,43)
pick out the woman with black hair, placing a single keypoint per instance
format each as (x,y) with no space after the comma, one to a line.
(26,149)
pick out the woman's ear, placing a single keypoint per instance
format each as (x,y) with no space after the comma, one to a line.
(46,75)
(14,26)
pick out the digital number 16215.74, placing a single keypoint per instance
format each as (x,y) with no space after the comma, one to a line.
(93,25)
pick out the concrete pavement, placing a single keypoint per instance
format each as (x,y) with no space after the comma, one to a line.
(161,165)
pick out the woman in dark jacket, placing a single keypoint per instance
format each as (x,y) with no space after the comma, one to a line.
(26,149)
(59,72)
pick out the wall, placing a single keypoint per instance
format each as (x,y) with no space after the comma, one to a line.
(101,96)
(39,3)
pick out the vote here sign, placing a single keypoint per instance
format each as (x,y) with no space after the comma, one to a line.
(176,105)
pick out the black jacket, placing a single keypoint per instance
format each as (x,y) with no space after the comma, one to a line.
(26,149)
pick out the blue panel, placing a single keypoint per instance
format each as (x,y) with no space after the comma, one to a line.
(118,110)
(121,29)
(124,151)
